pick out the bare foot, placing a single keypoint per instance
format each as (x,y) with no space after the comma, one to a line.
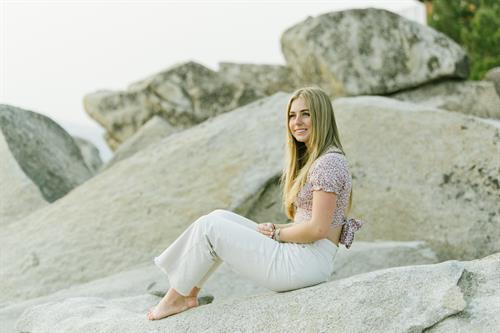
(194,292)
(165,309)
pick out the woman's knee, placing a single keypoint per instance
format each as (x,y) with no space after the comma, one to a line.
(213,216)
(219,212)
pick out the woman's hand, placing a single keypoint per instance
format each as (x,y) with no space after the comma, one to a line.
(266,229)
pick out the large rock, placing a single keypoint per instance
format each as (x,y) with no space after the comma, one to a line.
(44,151)
(428,174)
(149,279)
(452,296)
(479,285)
(19,196)
(362,257)
(120,113)
(90,154)
(267,207)
(478,98)
(151,132)
(369,51)
(270,79)
(126,214)
(185,94)
(422,173)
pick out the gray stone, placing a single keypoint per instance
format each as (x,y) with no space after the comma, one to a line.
(120,113)
(416,175)
(369,51)
(479,284)
(489,121)
(151,132)
(90,154)
(19,196)
(493,75)
(44,151)
(402,299)
(267,206)
(363,257)
(423,173)
(130,212)
(477,98)
(224,284)
(269,79)
(185,94)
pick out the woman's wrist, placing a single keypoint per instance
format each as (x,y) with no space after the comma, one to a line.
(276,235)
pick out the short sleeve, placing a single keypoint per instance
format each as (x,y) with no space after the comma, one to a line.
(329,173)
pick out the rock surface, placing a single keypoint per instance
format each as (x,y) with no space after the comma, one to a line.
(90,154)
(224,284)
(44,151)
(185,94)
(436,297)
(151,132)
(363,257)
(422,173)
(19,196)
(269,79)
(479,285)
(493,75)
(430,192)
(267,206)
(120,113)
(369,52)
(478,98)
(126,214)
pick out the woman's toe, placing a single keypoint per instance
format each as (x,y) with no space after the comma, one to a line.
(150,314)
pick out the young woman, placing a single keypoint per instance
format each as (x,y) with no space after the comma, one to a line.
(316,186)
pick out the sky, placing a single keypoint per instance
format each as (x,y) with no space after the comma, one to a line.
(53,53)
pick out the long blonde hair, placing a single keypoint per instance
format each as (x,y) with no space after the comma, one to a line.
(324,134)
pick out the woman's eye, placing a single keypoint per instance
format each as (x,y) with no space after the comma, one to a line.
(291,115)
(306,113)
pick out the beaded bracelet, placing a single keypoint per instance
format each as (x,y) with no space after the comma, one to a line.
(276,235)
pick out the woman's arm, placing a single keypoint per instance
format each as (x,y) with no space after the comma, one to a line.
(302,232)
(283,225)
(267,228)
(323,208)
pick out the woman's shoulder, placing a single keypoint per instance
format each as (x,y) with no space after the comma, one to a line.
(331,160)
(330,171)
(333,149)
(331,155)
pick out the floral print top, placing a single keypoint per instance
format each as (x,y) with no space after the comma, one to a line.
(329,173)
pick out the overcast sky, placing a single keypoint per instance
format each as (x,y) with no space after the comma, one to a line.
(55,52)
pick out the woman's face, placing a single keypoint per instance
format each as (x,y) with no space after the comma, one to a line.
(299,120)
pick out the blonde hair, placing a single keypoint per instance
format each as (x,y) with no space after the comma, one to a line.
(299,159)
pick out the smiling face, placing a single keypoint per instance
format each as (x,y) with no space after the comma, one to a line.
(299,120)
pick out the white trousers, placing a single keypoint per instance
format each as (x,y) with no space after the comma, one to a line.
(224,236)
